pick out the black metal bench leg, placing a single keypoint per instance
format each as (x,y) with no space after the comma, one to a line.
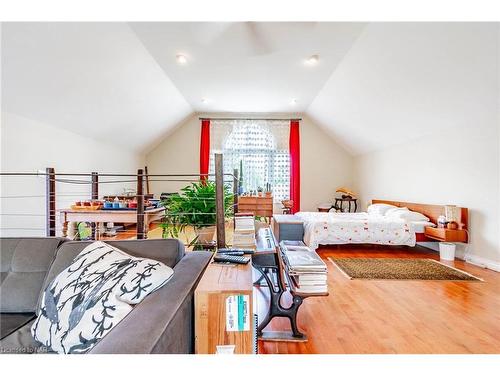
(294,309)
(276,291)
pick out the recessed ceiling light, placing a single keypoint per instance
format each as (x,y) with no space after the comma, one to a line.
(312,60)
(181,59)
(293,101)
(204,100)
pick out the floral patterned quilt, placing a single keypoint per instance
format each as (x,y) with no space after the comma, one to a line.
(324,228)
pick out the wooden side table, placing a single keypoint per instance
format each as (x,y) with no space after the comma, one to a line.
(219,283)
(447,235)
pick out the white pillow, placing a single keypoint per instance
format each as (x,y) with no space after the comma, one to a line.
(379,208)
(92,295)
(405,214)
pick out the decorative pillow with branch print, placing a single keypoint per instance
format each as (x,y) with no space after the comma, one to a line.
(92,295)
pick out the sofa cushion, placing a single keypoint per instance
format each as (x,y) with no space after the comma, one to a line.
(23,264)
(95,292)
(21,342)
(12,322)
(168,251)
(169,313)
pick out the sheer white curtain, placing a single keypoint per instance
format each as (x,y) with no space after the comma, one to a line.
(262,148)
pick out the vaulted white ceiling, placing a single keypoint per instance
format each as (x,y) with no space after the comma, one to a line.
(375,84)
(403,81)
(248,66)
(95,79)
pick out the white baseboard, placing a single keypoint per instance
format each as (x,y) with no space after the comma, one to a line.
(482,262)
(469,258)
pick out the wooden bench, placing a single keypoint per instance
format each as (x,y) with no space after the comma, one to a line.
(268,261)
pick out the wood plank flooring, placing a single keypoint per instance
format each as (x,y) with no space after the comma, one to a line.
(396,316)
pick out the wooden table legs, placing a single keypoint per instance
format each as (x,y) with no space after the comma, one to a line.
(65,229)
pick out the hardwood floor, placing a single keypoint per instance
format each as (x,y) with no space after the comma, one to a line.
(390,316)
(396,316)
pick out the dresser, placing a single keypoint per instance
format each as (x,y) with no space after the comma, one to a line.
(259,206)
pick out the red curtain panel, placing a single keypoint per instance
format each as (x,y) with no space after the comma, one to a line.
(204,148)
(295,165)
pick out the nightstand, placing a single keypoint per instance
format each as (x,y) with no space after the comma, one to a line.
(446,235)
(339,203)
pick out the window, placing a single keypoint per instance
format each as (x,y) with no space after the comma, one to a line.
(260,147)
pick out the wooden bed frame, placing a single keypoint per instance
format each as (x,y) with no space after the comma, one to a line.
(432,211)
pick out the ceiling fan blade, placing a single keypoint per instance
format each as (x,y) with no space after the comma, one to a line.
(205,33)
(258,42)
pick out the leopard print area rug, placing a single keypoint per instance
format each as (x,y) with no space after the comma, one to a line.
(399,269)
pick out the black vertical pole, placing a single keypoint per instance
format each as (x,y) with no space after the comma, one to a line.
(235,194)
(95,186)
(219,198)
(50,192)
(235,190)
(140,205)
(94,195)
(147,179)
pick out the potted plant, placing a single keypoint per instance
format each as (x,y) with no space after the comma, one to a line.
(194,206)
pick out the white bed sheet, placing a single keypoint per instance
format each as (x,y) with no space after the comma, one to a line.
(419,226)
(325,228)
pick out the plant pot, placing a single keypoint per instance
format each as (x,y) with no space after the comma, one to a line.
(205,234)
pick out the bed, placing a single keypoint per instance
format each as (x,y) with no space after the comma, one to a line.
(322,228)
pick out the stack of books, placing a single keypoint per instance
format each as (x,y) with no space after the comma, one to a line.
(306,271)
(244,232)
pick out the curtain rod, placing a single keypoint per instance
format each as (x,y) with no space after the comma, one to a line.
(250,119)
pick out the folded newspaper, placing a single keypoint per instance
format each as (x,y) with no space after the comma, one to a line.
(300,258)
(306,269)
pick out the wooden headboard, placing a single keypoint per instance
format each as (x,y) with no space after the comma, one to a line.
(432,211)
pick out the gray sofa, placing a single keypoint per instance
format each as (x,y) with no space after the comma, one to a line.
(162,323)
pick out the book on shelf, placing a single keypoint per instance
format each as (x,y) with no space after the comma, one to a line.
(307,288)
(295,244)
(244,223)
(252,246)
(244,237)
(311,277)
(244,231)
(306,270)
(303,261)
(244,240)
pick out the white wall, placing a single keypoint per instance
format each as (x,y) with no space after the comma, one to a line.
(448,168)
(454,161)
(325,166)
(401,81)
(29,146)
(178,153)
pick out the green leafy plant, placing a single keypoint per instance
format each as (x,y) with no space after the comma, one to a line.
(195,206)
